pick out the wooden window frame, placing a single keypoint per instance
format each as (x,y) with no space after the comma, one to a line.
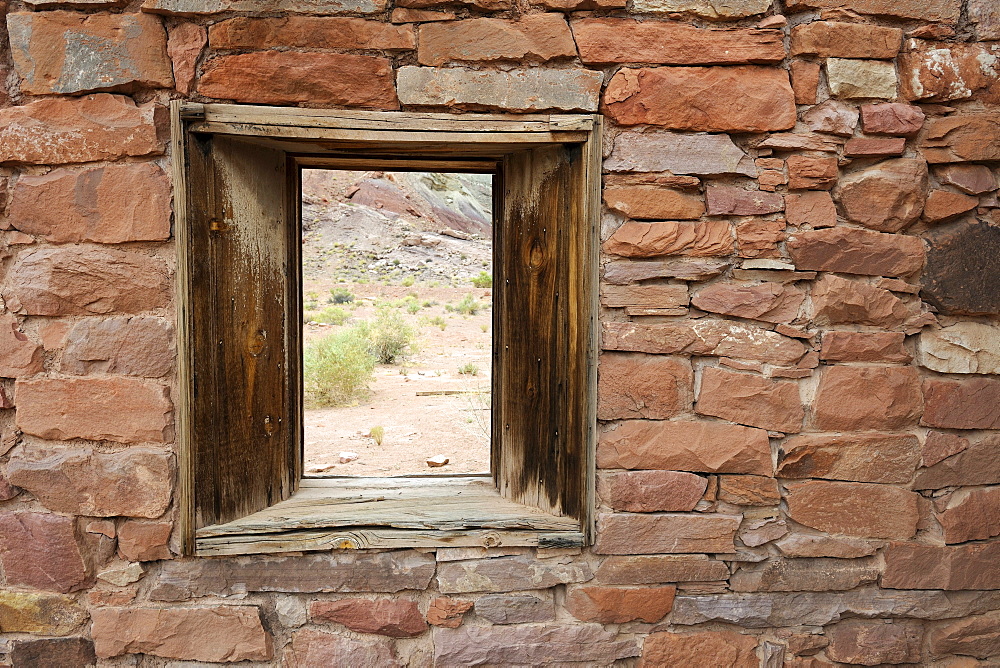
(236,173)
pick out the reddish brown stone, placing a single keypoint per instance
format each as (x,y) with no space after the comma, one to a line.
(221,633)
(962,138)
(40,550)
(799,575)
(704,337)
(854,509)
(892,118)
(706,447)
(970,179)
(735,201)
(7,491)
(651,491)
(88,281)
(404,15)
(971,404)
(708,648)
(532,645)
(805,80)
(184,47)
(751,400)
(770,302)
(883,458)
(864,347)
(943,206)
(634,385)
(61,130)
(832,116)
(122,50)
(134,483)
(648,296)
(839,547)
(533,37)
(126,410)
(760,238)
(624,272)
(915,566)
(842,301)
(870,147)
(315,648)
(943,11)
(811,173)
(645,203)
(851,250)
(971,514)
(664,568)
(310,32)
(940,445)
(749,490)
(615,41)
(845,40)
(512,573)
(288,77)
(397,618)
(144,541)
(110,204)
(874,642)
(710,99)
(515,609)
(665,533)
(671,238)
(977,636)
(813,208)
(133,346)
(447,612)
(886,197)
(942,71)
(867,397)
(19,356)
(53,653)
(526,89)
(618,605)
(975,462)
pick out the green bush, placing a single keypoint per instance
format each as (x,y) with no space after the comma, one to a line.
(469,369)
(390,338)
(483,280)
(342,295)
(337,368)
(469,305)
(332,315)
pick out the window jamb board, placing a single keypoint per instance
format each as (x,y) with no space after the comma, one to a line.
(483,134)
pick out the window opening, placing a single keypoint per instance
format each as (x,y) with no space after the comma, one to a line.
(397,272)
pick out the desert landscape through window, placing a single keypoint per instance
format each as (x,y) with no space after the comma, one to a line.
(397,274)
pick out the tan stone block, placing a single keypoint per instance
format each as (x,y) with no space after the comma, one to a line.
(854,509)
(710,99)
(221,633)
(962,347)
(289,77)
(645,296)
(405,15)
(618,605)
(711,9)
(63,130)
(751,400)
(840,547)
(501,574)
(805,575)
(709,238)
(533,37)
(832,116)
(40,614)
(854,79)
(532,89)
(109,204)
(607,40)
(528,645)
(58,52)
(707,447)
(707,648)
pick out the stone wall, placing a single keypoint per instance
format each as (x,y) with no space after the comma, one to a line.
(799,458)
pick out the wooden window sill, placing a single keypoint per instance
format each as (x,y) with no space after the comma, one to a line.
(359,513)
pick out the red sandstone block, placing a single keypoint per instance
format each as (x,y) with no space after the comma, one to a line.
(320,32)
(618,605)
(828,39)
(708,648)
(805,80)
(916,566)
(858,398)
(854,509)
(40,550)
(397,618)
(811,173)
(635,385)
(19,356)
(852,250)
(751,400)
(970,404)
(533,37)
(668,533)
(770,302)
(140,540)
(651,491)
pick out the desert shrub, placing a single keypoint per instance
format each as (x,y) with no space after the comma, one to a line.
(390,339)
(408,281)
(332,315)
(468,369)
(337,368)
(377,433)
(341,295)
(483,280)
(469,305)
(412,307)
(436,321)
